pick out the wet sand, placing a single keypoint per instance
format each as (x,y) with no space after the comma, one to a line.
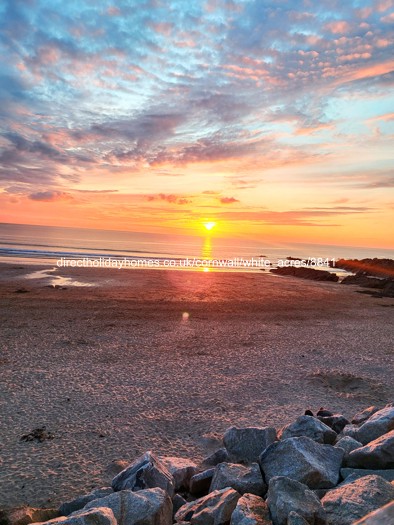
(167,360)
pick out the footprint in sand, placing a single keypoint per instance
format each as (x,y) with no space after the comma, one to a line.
(349,385)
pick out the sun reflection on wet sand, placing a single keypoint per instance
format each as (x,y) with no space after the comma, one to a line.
(55,280)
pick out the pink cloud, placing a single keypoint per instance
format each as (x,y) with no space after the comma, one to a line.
(228,200)
(388,19)
(383,5)
(338,27)
(113,11)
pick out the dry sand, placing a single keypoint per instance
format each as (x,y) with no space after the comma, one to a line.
(114,369)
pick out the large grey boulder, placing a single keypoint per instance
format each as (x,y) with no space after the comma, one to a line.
(349,430)
(378,424)
(286,495)
(144,473)
(96,516)
(78,503)
(378,454)
(243,479)
(145,507)
(352,501)
(348,444)
(251,510)
(362,416)
(214,509)
(310,427)
(357,473)
(382,516)
(244,445)
(181,469)
(303,460)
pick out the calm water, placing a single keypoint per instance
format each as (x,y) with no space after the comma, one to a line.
(43,244)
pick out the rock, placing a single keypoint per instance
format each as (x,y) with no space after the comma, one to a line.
(365,414)
(78,503)
(303,460)
(144,473)
(361,279)
(244,445)
(388,290)
(310,427)
(323,412)
(177,503)
(96,516)
(199,483)
(378,454)
(352,501)
(378,424)
(239,477)
(347,444)
(286,495)
(296,519)
(306,273)
(181,469)
(350,431)
(320,493)
(336,421)
(220,456)
(369,266)
(26,515)
(388,475)
(214,509)
(382,516)
(145,507)
(39,434)
(251,510)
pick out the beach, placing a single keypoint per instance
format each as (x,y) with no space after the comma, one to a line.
(117,362)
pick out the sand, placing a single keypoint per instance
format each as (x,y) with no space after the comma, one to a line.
(167,360)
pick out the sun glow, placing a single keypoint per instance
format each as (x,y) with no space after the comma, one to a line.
(209,225)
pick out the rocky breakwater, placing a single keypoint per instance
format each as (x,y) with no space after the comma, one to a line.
(375,274)
(319,470)
(306,273)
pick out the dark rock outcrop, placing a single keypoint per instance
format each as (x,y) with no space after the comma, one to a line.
(306,273)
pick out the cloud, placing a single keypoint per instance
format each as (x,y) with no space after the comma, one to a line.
(228,200)
(338,27)
(50,196)
(316,217)
(233,92)
(383,182)
(170,198)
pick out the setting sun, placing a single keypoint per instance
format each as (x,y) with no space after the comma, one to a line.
(209,225)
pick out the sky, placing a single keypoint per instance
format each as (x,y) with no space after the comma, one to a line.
(273,119)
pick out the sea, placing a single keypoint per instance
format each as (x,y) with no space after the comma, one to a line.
(59,246)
